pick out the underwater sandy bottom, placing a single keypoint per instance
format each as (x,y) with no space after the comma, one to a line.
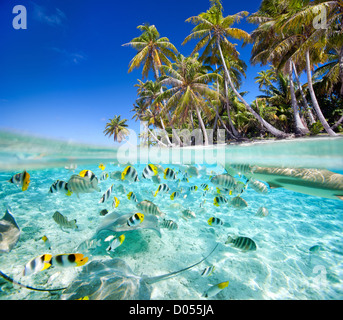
(281,268)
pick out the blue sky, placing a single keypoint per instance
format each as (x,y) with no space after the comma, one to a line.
(67,73)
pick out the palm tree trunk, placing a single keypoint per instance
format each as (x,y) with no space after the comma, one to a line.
(337,123)
(222,122)
(234,131)
(299,126)
(341,68)
(267,125)
(314,99)
(306,106)
(201,122)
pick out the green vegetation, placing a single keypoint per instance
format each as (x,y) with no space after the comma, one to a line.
(202,91)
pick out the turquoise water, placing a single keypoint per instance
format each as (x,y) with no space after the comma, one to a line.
(282,267)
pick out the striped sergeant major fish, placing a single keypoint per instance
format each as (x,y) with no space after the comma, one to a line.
(243,243)
(187,213)
(211,292)
(60,186)
(262,212)
(238,203)
(162,188)
(78,184)
(130,174)
(192,188)
(149,171)
(135,220)
(89,174)
(63,222)
(21,180)
(208,271)
(169,224)
(258,186)
(149,207)
(107,194)
(204,186)
(224,181)
(169,174)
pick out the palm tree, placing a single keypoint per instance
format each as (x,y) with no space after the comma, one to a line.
(118,128)
(152,50)
(189,90)
(213,30)
(265,78)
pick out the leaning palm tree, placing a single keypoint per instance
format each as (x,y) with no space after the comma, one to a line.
(213,30)
(189,90)
(118,128)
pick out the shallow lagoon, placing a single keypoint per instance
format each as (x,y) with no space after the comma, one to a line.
(282,267)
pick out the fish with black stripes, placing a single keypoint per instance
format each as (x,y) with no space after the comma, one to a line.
(60,186)
(130,174)
(243,243)
(163,188)
(78,184)
(107,194)
(63,222)
(169,224)
(149,207)
(135,220)
(149,171)
(169,174)
(21,180)
(208,271)
(66,260)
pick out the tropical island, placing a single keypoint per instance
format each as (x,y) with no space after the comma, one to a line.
(202,91)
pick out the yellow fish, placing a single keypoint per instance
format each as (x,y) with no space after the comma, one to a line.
(101,166)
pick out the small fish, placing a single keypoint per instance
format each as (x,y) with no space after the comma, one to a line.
(135,220)
(115,243)
(156,179)
(40,263)
(120,188)
(69,260)
(224,191)
(208,271)
(169,224)
(103,212)
(89,174)
(243,243)
(184,178)
(60,186)
(215,221)
(162,188)
(149,171)
(219,200)
(204,186)
(239,187)
(104,176)
(115,202)
(169,174)
(84,298)
(21,180)
(116,175)
(238,203)
(149,207)
(107,194)
(224,180)
(129,174)
(101,166)
(131,196)
(63,221)
(78,184)
(215,289)
(192,171)
(46,242)
(258,186)
(262,212)
(193,188)
(317,248)
(188,213)
(175,195)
